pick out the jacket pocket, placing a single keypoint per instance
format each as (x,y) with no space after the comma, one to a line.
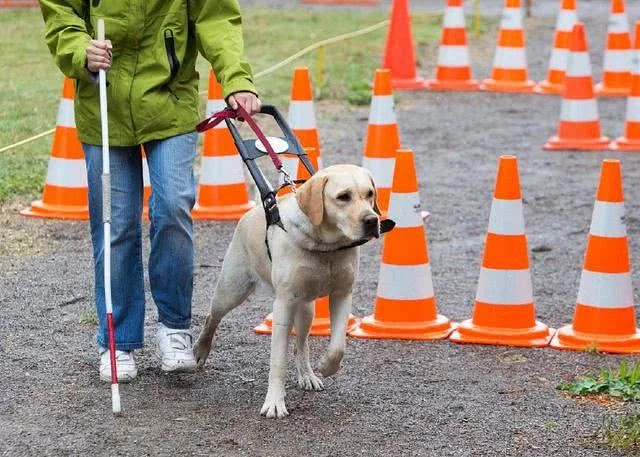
(170,48)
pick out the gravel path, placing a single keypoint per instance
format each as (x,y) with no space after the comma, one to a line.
(391,398)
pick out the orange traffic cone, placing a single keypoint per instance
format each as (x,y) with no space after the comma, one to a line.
(65,194)
(454,68)
(302,120)
(567,18)
(321,325)
(504,313)
(146,183)
(616,69)
(382,140)
(509,73)
(405,305)
(222,193)
(631,139)
(604,317)
(398,54)
(579,120)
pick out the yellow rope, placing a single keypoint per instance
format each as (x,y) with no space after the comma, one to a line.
(326,42)
(28,140)
(260,74)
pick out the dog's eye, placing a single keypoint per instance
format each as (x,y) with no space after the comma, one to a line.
(344,197)
(370,194)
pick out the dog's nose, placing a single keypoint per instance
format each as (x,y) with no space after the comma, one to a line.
(370,223)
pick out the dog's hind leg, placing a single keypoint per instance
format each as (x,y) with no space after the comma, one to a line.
(307,379)
(339,308)
(234,286)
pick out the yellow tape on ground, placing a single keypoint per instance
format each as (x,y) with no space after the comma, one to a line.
(260,74)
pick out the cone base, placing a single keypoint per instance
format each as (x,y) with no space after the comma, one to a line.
(537,336)
(567,338)
(416,83)
(558,144)
(221,213)
(491,85)
(602,91)
(321,326)
(625,144)
(435,84)
(547,88)
(39,209)
(437,329)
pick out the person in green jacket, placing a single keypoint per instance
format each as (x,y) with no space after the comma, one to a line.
(152,91)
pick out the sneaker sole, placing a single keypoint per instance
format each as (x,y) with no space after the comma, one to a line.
(122,378)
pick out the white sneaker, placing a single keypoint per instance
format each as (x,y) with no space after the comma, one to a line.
(174,348)
(125,364)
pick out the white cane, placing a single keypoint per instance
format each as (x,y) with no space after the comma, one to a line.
(106,220)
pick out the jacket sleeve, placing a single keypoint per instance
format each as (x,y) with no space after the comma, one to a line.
(218,26)
(66,35)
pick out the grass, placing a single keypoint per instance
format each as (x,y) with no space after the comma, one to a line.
(623,432)
(621,383)
(88,318)
(31,84)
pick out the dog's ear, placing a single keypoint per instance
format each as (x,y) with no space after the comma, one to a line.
(310,198)
(375,197)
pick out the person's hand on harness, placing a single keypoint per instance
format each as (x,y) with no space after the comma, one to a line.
(99,55)
(248,100)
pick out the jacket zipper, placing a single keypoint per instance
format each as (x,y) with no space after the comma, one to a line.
(174,63)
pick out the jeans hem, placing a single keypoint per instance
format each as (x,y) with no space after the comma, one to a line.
(121,346)
(184,325)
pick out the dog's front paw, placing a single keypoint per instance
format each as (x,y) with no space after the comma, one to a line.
(201,351)
(274,407)
(309,381)
(331,363)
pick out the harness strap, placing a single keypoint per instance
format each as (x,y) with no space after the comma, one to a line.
(241,114)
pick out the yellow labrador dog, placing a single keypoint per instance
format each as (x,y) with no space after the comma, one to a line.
(335,209)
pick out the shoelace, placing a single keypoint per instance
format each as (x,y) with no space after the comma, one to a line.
(123,356)
(178,340)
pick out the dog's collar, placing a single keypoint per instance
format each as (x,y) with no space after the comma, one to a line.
(386,225)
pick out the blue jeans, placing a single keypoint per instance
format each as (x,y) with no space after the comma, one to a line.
(171,235)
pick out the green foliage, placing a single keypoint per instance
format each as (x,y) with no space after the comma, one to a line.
(623,433)
(359,92)
(623,383)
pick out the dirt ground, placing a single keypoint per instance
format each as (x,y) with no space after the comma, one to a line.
(391,398)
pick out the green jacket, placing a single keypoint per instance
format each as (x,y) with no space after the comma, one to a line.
(153,83)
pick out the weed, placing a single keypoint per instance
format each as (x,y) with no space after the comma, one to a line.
(89,318)
(622,383)
(622,433)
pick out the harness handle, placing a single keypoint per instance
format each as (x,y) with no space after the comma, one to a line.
(242,114)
